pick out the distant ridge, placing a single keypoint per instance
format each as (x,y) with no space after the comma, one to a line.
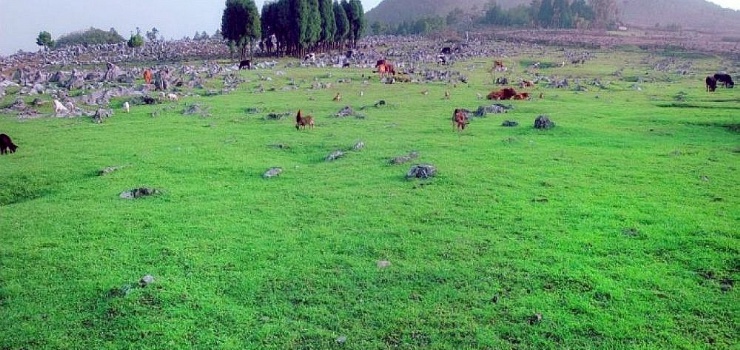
(688,14)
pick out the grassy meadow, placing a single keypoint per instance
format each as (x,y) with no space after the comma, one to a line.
(617,229)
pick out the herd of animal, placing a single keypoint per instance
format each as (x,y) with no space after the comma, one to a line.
(385,69)
(720,78)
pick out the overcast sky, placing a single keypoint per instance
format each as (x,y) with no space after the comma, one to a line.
(22,20)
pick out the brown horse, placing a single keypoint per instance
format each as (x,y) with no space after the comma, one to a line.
(301,121)
(385,68)
(148,76)
(459,119)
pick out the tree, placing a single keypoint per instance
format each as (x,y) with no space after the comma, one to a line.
(563,17)
(343,28)
(357,21)
(545,13)
(44,39)
(313,25)
(240,23)
(605,13)
(92,36)
(328,22)
(152,35)
(136,40)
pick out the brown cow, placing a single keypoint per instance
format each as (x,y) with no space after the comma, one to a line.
(6,144)
(503,94)
(148,76)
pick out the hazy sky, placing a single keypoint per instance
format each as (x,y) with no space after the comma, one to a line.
(22,20)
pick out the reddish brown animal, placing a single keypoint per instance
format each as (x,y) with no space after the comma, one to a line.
(385,68)
(499,66)
(148,76)
(522,96)
(503,94)
(459,119)
(6,144)
(302,122)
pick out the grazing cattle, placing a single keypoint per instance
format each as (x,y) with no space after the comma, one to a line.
(521,96)
(127,107)
(725,79)
(245,64)
(6,145)
(459,119)
(59,108)
(711,83)
(503,94)
(385,68)
(148,76)
(345,64)
(311,57)
(499,66)
(441,59)
(526,83)
(337,97)
(301,121)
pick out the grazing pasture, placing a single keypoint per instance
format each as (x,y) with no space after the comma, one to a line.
(616,229)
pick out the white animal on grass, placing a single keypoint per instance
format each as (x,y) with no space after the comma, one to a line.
(127,107)
(59,108)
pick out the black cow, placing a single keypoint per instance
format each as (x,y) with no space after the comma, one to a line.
(446,51)
(245,64)
(6,145)
(724,79)
(711,83)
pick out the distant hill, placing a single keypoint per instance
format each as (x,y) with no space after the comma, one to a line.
(688,14)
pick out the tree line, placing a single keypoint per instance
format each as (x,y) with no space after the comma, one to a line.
(292,27)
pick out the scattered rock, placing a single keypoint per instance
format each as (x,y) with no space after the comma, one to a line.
(341,339)
(383,264)
(334,155)
(358,146)
(146,280)
(345,112)
(272,172)
(277,116)
(102,114)
(536,318)
(138,193)
(509,123)
(543,122)
(421,171)
(195,108)
(108,170)
(404,159)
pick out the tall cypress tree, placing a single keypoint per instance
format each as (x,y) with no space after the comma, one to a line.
(545,13)
(328,22)
(240,24)
(313,27)
(358,20)
(340,16)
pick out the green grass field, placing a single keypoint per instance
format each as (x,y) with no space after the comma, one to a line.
(617,229)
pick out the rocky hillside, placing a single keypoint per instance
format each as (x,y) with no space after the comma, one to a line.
(688,14)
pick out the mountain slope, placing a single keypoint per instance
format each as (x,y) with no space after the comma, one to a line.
(689,14)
